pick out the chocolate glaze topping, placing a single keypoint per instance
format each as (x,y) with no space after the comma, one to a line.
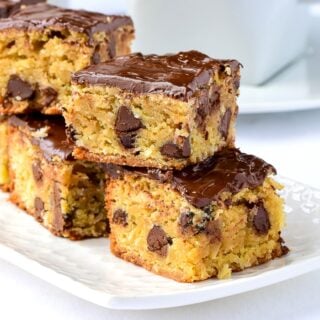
(7,8)
(54,143)
(227,171)
(44,15)
(177,75)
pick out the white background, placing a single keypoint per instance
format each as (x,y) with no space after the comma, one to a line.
(290,141)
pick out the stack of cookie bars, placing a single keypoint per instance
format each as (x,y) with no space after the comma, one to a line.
(147,147)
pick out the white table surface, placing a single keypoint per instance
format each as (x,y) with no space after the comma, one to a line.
(291,141)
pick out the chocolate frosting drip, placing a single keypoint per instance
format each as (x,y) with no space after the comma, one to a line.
(227,171)
(177,75)
(54,142)
(44,15)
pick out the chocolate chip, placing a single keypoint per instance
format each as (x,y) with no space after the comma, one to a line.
(79,168)
(38,208)
(112,170)
(285,250)
(71,133)
(186,148)
(203,104)
(56,34)
(236,111)
(120,217)
(162,176)
(95,59)
(225,124)
(214,96)
(127,139)
(95,177)
(211,228)
(186,222)
(126,121)
(227,202)
(208,101)
(261,222)
(213,231)
(158,241)
(58,221)
(11,43)
(68,220)
(236,83)
(37,171)
(126,126)
(46,96)
(173,150)
(56,197)
(112,46)
(38,45)
(19,89)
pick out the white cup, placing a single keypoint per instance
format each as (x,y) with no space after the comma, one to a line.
(264,35)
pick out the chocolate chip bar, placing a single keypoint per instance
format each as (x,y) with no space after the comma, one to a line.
(219,216)
(154,111)
(10,7)
(4,170)
(65,195)
(41,45)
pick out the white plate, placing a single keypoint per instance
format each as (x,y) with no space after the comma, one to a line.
(88,270)
(295,88)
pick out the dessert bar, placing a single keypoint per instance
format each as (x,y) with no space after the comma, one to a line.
(219,216)
(41,45)
(154,111)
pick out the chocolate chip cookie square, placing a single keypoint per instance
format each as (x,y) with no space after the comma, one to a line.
(63,194)
(42,45)
(154,111)
(208,220)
